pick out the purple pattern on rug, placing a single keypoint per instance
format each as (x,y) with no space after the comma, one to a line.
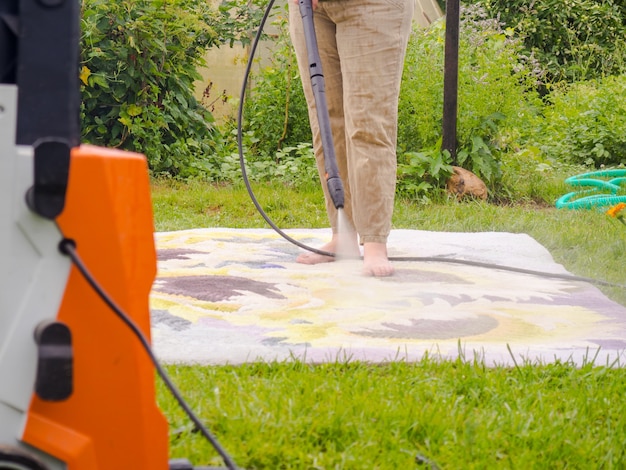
(176,253)
(215,288)
(433,329)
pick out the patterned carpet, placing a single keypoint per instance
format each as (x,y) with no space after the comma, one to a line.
(232,296)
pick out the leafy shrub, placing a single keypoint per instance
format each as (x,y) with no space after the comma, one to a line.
(275,110)
(294,164)
(495,92)
(238,18)
(276,136)
(139,62)
(423,173)
(586,123)
(572,39)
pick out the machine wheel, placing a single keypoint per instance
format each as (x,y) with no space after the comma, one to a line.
(13,458)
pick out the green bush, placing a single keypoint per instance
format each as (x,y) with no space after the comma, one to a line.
(139,62)
(496,94)
(276,136)
(275,110)
(586,123)
(572,39)
(422,174)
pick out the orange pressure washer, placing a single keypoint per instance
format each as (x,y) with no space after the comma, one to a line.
(77,386)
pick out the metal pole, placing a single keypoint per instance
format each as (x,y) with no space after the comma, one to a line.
(451,78)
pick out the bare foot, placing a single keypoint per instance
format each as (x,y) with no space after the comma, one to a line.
(375,261)
(344,246)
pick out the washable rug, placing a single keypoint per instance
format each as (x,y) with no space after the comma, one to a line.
(230,296)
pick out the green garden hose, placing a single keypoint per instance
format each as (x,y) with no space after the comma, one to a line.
(602,192)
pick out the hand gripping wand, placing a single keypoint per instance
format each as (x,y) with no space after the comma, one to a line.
(333,180)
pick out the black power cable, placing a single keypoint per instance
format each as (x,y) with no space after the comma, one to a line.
(567,277)
(68,247)
(437,259)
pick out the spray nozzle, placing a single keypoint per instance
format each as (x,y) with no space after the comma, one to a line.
(335,188)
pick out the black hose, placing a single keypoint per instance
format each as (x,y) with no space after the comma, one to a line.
(242,161)
(333,180)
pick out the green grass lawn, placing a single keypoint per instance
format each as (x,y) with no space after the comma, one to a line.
(431,414)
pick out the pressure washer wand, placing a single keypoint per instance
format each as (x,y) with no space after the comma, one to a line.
(333,180)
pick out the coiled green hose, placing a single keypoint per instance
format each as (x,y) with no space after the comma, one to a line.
(602,192)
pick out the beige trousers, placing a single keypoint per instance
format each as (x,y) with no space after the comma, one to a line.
(362,44)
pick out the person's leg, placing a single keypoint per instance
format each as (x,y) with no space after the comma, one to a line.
(371,42)
(331,68)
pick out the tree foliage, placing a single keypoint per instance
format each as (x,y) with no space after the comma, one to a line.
(573,39)
(139,62)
